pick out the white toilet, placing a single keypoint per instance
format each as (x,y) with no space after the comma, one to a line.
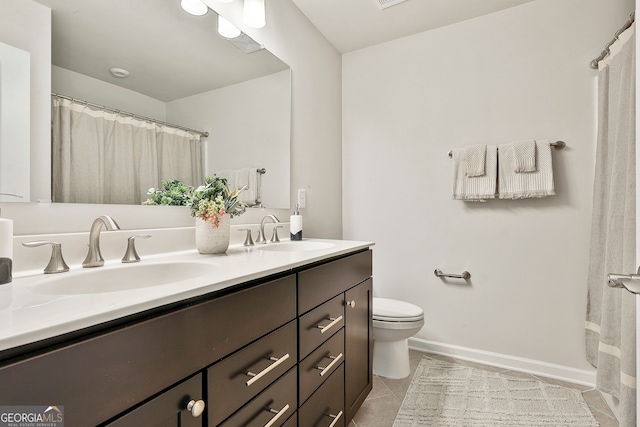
(394,322)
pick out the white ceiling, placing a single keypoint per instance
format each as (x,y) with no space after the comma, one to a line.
(354,24)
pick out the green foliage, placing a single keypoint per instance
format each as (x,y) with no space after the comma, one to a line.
(173,193)
(214,199)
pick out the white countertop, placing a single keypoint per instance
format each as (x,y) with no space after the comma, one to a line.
(28,315)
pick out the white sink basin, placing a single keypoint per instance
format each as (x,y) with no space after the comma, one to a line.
(295,246)
(120,278)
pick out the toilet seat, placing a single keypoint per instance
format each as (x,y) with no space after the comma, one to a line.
(390,310)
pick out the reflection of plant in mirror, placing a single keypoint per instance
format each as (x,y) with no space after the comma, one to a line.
(173,193)
(214,199)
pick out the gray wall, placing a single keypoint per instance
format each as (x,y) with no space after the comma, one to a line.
(517,74)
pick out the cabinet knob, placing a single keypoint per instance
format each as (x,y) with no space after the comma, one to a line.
(196,407)
(351,304)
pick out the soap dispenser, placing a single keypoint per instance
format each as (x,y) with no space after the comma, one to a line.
(6,250)
(295,224)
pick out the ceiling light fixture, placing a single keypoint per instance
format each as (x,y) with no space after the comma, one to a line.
(119,72)
(194,7)
(254,13)
(226,29)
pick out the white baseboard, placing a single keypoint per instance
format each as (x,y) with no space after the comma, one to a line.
(536,367)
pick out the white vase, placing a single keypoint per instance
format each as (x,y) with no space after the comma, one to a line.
(210,239)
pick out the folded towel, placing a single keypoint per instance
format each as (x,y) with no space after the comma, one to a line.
(524,155)
(476,188)
(474,160)
(246,177)
(513,185)
(229,175)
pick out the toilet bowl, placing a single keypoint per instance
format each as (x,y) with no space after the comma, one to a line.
(394,322)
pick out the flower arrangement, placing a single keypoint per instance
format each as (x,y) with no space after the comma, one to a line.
(214,199)
(173,193)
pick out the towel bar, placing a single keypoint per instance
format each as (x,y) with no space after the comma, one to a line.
(558,145)
(465,274)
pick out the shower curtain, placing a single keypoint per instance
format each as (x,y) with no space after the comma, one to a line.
(104,157)
(610,320)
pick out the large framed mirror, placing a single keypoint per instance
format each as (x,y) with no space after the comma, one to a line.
(180,72)
(14,124)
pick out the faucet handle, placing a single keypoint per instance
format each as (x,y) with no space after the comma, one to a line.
(248,241)
(131,255)
(56,263)
(274,236)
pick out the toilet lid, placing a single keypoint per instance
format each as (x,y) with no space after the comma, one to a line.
(395,311)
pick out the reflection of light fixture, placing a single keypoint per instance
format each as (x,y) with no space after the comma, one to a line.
(194,7)
(227,29)
(119,72)
(254,14)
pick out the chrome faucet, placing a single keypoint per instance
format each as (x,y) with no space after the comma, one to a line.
(261,238)
(94,257)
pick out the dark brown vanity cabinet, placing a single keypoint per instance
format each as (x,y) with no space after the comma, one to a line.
(110,373)
(288,352)
(335,299)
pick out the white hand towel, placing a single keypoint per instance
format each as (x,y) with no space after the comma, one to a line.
(229,175)
(476,188)
(246,177)
(524,156)
(474,160)
(514,185)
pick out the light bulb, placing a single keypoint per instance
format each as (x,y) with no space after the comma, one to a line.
(254,13)
(194,7)
(227,29)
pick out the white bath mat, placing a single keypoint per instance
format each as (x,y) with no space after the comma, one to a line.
(446,394)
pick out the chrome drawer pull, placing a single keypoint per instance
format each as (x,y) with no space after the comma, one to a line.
(334,322)
(265,371)
(324,370)
(335,418)
(278,414)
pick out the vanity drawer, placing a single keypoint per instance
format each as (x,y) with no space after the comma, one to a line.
(319,284)
(319,324)
(326,407)
(168,409)
(228,383)
(277,401)
(329,357)
(100,377)
(292,422)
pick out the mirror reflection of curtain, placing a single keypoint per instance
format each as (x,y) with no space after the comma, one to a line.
(103,157)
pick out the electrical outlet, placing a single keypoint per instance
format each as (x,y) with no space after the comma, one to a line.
(302,198)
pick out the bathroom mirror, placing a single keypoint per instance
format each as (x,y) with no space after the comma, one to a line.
(180,72)
(14,124)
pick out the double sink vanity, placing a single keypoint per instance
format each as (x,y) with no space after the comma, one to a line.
(271,335)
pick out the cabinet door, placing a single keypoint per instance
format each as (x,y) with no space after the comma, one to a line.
(358,346)
(168,409)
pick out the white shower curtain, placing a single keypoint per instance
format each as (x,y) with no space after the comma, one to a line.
(104,157)
(610,321)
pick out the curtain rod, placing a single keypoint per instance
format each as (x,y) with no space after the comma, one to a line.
(605,52)
(136,116)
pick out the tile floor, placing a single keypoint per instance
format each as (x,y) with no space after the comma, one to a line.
(383,403)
